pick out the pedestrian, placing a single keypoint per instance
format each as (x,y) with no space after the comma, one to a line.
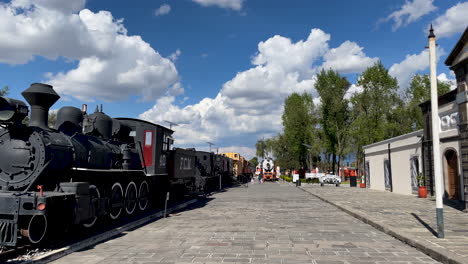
(259,178)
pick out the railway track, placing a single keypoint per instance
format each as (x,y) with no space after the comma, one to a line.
(36,254)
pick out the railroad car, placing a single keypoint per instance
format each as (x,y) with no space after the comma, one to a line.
(89,166)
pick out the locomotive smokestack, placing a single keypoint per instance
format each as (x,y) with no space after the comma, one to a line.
(41,97)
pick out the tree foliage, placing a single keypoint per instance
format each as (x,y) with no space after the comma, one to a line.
(254,161)
(375,108)
(419,92)
(298,128)
(4,91)
(261,148)
(335,115)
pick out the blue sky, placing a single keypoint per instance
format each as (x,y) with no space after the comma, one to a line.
(219,68)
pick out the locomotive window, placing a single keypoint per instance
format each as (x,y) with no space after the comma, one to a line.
(132,133)
(204,157)
(148,138)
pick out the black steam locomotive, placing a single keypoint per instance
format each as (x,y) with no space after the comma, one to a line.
(89,166)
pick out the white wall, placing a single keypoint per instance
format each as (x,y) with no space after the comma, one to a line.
(402,149)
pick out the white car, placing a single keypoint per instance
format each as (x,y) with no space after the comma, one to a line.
(329,179)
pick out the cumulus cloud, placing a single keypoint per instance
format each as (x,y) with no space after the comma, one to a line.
(347,58)
(227,4)
(444,78)
(164,9)
(111,65)
(410,12)
(245,152)
(250,105)
(411,65)
(353,89)
(175,55)
(453,21)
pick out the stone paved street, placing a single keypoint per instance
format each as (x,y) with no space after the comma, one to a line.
(264,223)
(404,214)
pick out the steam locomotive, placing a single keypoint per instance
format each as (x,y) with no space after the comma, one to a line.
(268,169)
(89,166)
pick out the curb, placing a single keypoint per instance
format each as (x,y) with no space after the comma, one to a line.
(436,253)
(58,253)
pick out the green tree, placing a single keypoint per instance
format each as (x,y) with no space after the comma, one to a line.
(261,148)
(298,126)
(254,161)
(52,118)
(4,91)
(418,92)
(335,114)
(374,108)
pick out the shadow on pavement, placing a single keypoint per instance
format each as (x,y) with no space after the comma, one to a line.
(426,225)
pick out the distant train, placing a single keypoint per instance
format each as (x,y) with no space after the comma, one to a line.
(268,171)
(88,167)
(243,169)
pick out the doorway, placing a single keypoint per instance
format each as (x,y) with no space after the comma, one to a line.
(453,181)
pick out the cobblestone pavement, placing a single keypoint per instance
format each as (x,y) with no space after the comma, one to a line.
(411,217)
(264,223)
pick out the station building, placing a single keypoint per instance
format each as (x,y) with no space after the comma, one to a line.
(394,164)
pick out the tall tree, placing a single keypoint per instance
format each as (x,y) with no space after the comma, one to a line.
(261,148)
(335,116)
(254,161)
(4,91)
(418,92)
(374,107)
(297,123)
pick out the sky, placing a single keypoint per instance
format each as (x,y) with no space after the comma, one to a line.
(220,69)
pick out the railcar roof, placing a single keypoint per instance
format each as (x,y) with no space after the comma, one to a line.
(143,121)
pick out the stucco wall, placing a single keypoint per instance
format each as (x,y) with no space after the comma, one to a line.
(402,149)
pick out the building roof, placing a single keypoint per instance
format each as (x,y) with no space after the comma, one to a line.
(457,49)
(442,100)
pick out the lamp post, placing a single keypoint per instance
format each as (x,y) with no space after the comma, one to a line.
(435,136)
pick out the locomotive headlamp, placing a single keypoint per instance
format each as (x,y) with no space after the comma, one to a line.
(12,110)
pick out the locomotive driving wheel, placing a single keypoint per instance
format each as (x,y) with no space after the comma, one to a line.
(143,195)
(116,201)
(95,195)
(131,198)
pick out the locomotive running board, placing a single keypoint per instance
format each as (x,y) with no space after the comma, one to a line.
(58,253)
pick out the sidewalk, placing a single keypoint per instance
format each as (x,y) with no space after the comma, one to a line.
(408,218)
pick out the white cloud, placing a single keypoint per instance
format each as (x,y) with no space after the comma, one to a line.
(228,4)
(444,78)
(175,55)
(353,89)
(411,65)
(347,58)
(249,105)
(245,152)
(111,64)
(454,20)
(410,12)
(164,9)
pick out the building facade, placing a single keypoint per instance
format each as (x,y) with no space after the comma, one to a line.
(394,164)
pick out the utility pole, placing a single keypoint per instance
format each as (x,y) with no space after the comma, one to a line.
(209,143)
(435,136)
(171,124)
